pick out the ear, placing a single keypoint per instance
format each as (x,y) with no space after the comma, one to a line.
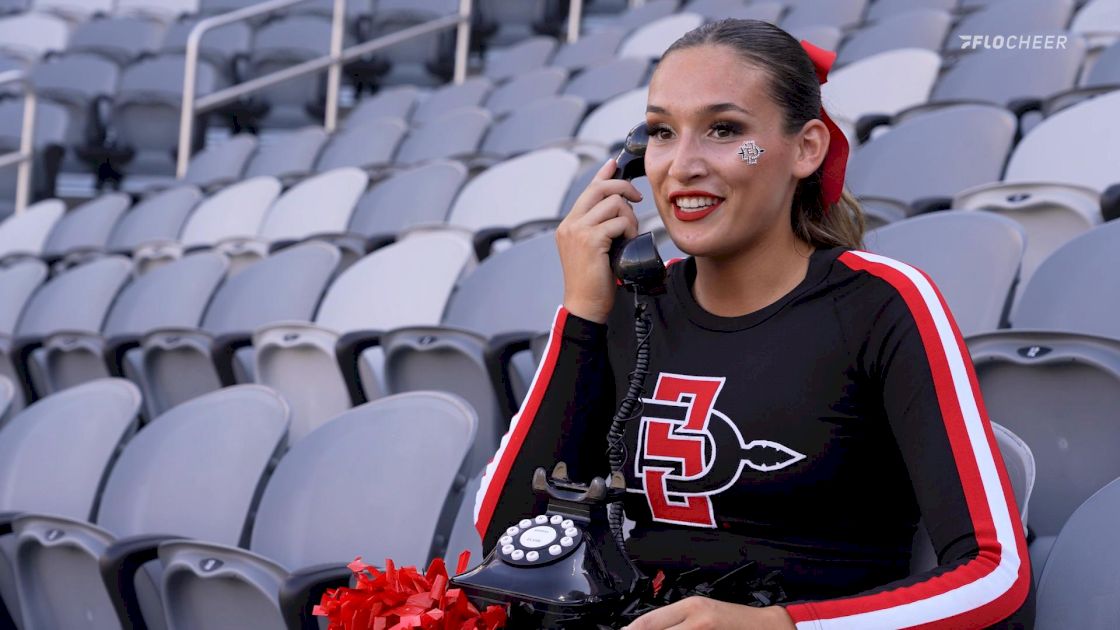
(811,148)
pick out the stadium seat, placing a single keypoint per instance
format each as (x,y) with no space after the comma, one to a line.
(70,305)
(164,10)
(457,133)
(52,125)
(972,257)
(1098,21)
(332,195)
(415,61)
(527,55)
(1004,17)
(524,89)
(611,121)
(397,102)
(85,229)
(232,213)
(221,164)
(288,155)
(1078,588)
(364,146)
(118,38)
(404,284)
(1055,176)
(502,23)
(489,317)
(24,234)
(589,50)
(426,191)
(72,10)
(898,173)
(193,472)
(172,296)
(75,81)
(599,84)
(29,36)
(418,440)
(646,13)
(650,40)
(543,123)
(18,282)
(220,46)
(880,9)
(921,28)
(181,363)
(446,99)
(56,454)
(1100,74)
(495,198)
(838,14)
(155,219)
(821,35)
(282,42)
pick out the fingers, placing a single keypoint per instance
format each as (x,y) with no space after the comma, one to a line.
(661,618)
(601,187)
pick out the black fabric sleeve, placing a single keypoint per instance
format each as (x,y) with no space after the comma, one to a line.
(564,417)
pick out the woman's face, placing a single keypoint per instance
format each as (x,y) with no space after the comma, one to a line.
(704,103)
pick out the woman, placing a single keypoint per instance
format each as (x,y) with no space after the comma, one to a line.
(807,403)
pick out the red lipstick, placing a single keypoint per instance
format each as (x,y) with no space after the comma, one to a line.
(693,214)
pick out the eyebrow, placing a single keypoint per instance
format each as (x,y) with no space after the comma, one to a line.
(715,108)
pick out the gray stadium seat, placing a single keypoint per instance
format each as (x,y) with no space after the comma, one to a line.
(71,305)
(650,40)
(55,455)
(543,123)
(524,89)
(881,9)
(611,121)
(219,46)
(1098,21)
(425,191)
(321,204)
(75,81)
(645,13)
(835,13)
(72,10)
(589,50)
(119,38)
(363,146)
(52,125)
(174,295)
(163,10)
(495,197)
(193,472)
(86,228)
(156,218)
(1105,72)
(145,114)
(406,283)
(972,257)
(821,35)
(1078,588)
(292,153)
(284,42)
(24,234)
(18,283)
(1054,177)
(897,169)
(233,212)
(600,83)
(457,133)
(525,56)
(490,302)
(221,164)
(1021,16)
(505,23)
(178,363)
(418,439)
(410,62)
(921,28)
(31,35)
(443,100)
(397,102)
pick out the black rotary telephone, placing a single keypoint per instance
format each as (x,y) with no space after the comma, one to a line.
(636,262)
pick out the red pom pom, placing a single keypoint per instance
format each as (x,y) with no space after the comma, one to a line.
(403,599)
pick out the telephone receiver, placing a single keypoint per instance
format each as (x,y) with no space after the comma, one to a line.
(636,262)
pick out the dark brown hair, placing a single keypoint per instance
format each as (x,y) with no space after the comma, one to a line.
(794,87)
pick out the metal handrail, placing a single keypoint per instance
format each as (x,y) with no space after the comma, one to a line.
(24,156)
(575,16)
(331,62)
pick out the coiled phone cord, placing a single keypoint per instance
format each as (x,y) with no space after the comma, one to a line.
(629,408)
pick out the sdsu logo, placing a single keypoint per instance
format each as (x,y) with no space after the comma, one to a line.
(679,463)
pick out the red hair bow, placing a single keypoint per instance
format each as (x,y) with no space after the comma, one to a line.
(836,160)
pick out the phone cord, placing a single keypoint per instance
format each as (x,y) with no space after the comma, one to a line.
(629,408)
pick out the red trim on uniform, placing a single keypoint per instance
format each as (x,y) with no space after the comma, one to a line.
(975,496)
(522,424)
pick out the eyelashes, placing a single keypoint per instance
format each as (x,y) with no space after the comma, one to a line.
(720,130)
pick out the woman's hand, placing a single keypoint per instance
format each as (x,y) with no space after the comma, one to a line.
(600,215)
(701,613)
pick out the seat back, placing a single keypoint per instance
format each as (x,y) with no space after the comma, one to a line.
(515,60)
(88,226)
(526,88)
(589,50)
(146,107)
(317,205)
(425,191)
(119,38)
(600,83)
(195,470)
(496,196)
(611,121)
(1078,586)
(650,40)
(920,28)
(972,257)
(173,295)
(362,146)
(884,83)
(18,283)
(159,217)
(31,35)
(292,153)
(221,163)
(465,95)
(76,300)
(1002,76)
(419,439)
(834,13)
(26,232)
(537,125)
(456,133)
(1067,293)
(1027,16)
(236,211)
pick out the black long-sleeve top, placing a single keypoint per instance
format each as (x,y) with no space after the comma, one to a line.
(809,436)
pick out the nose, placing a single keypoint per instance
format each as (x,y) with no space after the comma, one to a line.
(689,162)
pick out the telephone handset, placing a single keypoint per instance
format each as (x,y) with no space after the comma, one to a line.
(636,262)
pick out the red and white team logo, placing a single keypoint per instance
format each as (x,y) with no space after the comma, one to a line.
(683,462)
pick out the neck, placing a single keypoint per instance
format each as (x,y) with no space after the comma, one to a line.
(751,279)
